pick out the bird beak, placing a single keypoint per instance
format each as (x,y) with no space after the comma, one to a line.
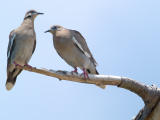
(47,31)
(38,13)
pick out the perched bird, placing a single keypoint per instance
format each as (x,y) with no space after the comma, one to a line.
(22,43)
(72,47)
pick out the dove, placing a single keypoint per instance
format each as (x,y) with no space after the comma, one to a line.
(72,47)
(22,43)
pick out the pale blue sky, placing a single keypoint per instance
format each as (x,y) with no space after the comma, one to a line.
(124,38)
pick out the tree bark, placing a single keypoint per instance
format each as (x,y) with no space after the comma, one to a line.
(149,94)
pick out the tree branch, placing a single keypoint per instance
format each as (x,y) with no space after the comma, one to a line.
(65,75)
(149,94)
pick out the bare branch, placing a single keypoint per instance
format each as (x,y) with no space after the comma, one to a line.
(65,75)
(149,94)
(123,82)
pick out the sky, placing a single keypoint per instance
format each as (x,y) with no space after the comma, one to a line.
(123,36)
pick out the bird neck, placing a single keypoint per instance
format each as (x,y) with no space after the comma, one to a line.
(28,22)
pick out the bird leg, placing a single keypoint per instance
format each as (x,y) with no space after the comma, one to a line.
(17,64)
(74,71)
(85,74)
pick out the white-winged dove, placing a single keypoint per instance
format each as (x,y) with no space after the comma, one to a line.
(72,47)
(22,43)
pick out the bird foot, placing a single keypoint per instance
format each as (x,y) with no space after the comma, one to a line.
(17,65)
(85,74)
(74,71)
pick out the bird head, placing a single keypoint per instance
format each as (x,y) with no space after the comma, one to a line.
(54,28)
(32,14)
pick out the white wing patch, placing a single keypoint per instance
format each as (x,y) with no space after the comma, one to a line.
(80,47)
(11,43)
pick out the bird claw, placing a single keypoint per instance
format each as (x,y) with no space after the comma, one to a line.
(85,74)
(26,65)
(74,71)
(17,65)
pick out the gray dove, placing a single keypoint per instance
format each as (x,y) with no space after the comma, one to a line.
(72,47)
(22,43)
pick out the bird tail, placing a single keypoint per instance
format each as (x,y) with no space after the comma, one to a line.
(97,72)
(11,78)
(99,85)
(10,82)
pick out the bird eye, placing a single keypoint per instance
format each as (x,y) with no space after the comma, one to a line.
(54,28)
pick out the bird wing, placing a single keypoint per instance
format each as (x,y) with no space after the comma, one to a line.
(11,44)
(34,46)
(11,47)
(80,42)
